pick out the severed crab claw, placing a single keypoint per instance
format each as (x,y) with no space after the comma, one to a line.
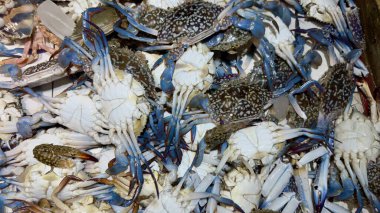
(59,156)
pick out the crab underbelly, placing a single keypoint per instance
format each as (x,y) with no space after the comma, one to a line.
(354,141)
(254,144)
(79,113)
(119,103)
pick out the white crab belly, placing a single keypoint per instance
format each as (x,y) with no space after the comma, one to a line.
(166,203)
(353,137)
(253,142)
(79,113)
(119,103)
(247,194)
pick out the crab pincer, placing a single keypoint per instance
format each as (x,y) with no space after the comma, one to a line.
(59,156)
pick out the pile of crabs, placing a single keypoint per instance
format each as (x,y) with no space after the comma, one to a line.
(186,106)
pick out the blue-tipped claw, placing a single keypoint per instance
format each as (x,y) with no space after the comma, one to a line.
(279,10)
(200,101)
(167,77)
(121,164)
(267,52)
(256,27)
(334,187)
(311,58)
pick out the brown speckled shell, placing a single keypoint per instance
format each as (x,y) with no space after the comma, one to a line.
(238,99)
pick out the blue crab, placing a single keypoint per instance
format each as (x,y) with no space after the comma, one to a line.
(123,114)
(339,84)
(184,25)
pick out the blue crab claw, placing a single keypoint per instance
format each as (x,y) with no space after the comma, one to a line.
(320,187)
(348,189)
(5,52)
(117,200)
(279,10)
(121,164)
(334,187)
(266,51)
(167,77)
(199,101)
(313,58)
(71,54)
(299,45)
(255,26)
(12,70)
(215,40)
(318,35)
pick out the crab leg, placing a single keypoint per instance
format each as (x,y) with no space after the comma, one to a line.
(303,188)
(59,188)
(354,180)
(277,204)
(281,180)
(291,206)
(312,155)
(335,207)
(212,203)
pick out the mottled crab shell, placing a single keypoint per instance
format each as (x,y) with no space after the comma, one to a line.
(237,100)
(353,22)
(184,21)
(310,105)
(234,39)
(134,63)
(373,177)
(339,85)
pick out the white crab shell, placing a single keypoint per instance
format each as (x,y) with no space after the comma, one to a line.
(194,68)
(244,190)
(357,134)
(255,143)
